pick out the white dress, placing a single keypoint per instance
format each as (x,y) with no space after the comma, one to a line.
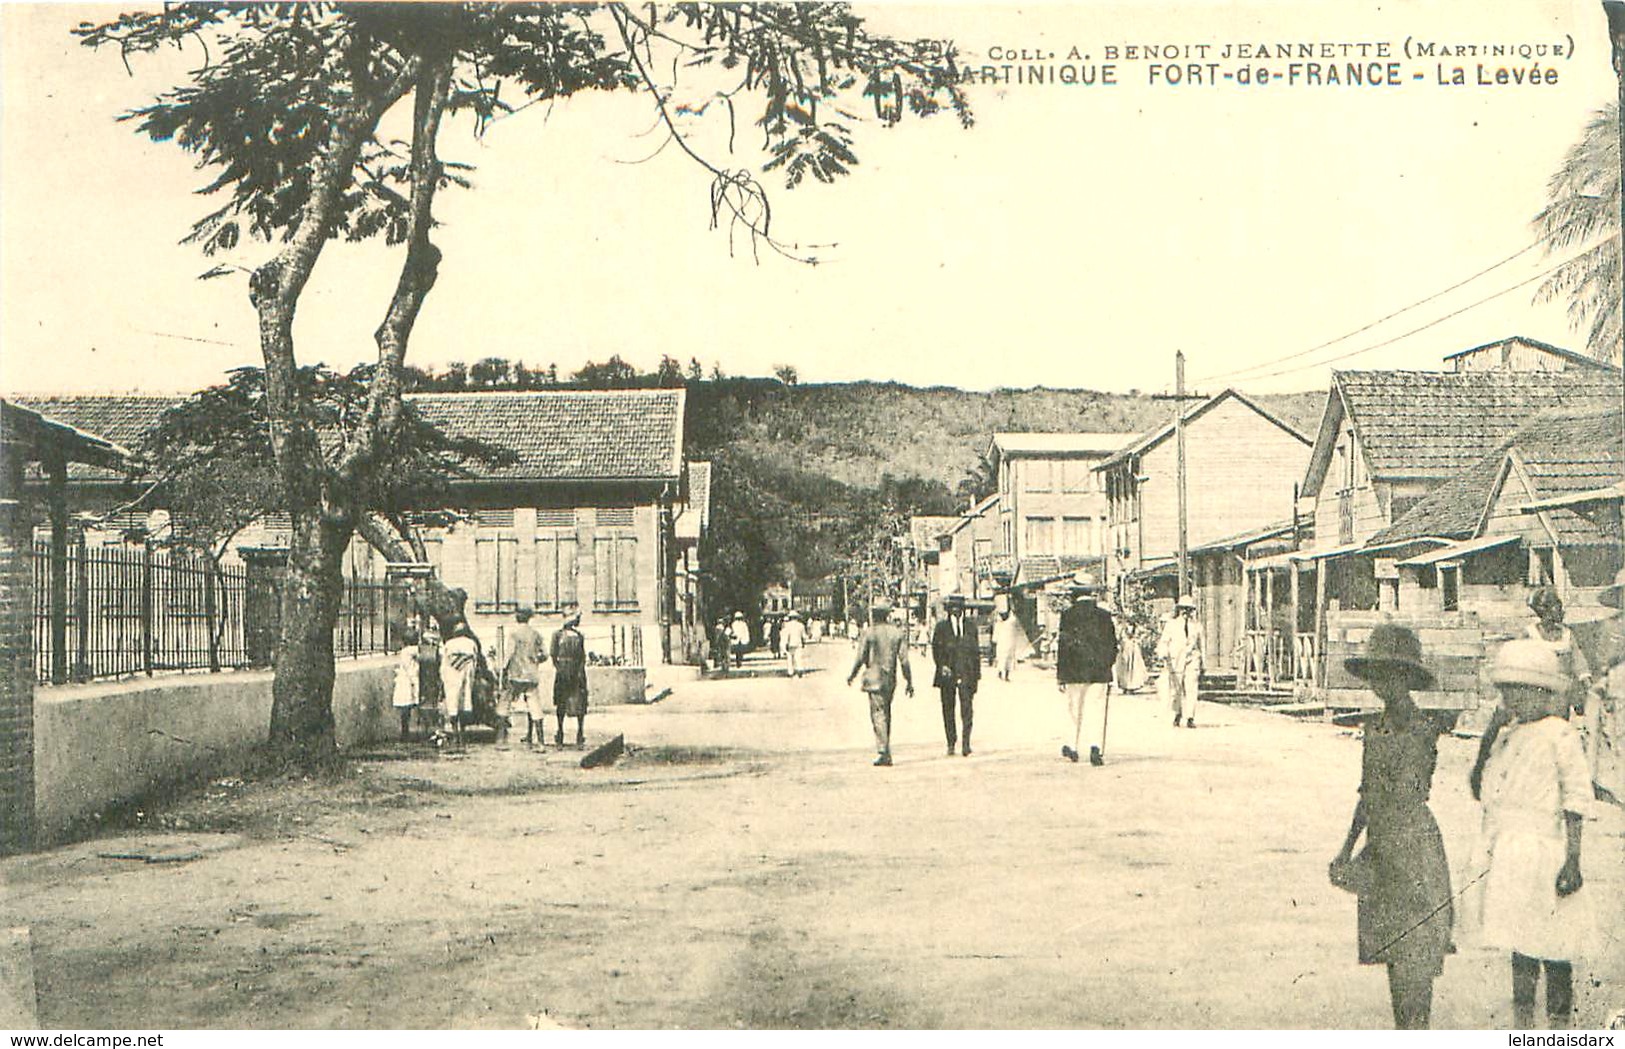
(1536,771)
(406,676)
(458,658)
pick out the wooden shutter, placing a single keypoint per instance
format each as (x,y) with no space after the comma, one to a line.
(626,572)
(485,573)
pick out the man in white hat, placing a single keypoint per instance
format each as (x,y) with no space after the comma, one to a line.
(1085,651)
(739,631)
(1181,650)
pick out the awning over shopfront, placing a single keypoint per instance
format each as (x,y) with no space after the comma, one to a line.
(1455,551)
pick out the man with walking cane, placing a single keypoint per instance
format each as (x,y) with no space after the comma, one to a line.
(1085,651)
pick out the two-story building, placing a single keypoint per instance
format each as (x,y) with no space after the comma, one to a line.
(1242,464)
(1051,512)
(969,561)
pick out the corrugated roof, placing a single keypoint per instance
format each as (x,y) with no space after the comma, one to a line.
(1556,351)
(1252,535)
(1060,443)
(1560,452)
(1437,424)
(1152,438)
(556,434)
(1461,549)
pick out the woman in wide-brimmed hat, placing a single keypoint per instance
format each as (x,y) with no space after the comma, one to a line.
(1402,876)
(1523,890)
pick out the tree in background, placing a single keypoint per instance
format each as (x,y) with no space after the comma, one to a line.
(787,374)
(1582,209)
(285,108)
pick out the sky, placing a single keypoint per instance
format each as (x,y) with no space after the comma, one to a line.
(1077,236)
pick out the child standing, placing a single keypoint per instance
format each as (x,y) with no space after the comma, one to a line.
(406,679)
(1527,868)
(1402,877)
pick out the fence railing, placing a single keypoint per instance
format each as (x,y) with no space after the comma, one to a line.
(128,610)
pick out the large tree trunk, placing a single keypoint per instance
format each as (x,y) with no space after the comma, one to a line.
(302,732)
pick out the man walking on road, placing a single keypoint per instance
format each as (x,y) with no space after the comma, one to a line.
(1085,650)
(958,657)
(1181,650)
(795,643)
(880,648)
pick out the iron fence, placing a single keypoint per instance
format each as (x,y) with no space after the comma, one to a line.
(126,610)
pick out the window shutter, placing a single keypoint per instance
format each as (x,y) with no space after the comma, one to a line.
(507,572)
(547,572)
(567,570)
(485,573)
(626,572)
(603,553)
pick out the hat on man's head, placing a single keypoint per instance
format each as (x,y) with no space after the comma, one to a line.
(1187,602)
(792,614)
(954,601)
(572,618)
(1525,661)
(880,604)
(739,615)
(1391,648)
(1083,581)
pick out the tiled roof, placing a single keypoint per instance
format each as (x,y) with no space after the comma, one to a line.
(1152,438)
(122,419)
(556,434)
(569,434)
(1560,452)
(696,512)
(1437,424)
(1043,568)
(42,435)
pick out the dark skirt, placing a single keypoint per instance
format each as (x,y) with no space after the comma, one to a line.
(1406,918)
(570,691)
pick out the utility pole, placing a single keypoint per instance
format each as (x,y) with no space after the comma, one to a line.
(1179,441)
(1179,397)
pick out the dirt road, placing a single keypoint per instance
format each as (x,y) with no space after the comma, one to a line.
(746,866)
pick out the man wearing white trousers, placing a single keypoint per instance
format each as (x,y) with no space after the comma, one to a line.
(1181,650)
(1085,651)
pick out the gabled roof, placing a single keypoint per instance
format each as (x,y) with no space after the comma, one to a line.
(1151,438)
(1434,425)
(1545,347)
(695,514)
(562,435)
(1047,568)
(1060,445)
(1558,453)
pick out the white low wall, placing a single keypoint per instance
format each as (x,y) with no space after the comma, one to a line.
(96,745)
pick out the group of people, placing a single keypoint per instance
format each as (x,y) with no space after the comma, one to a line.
(786,636)
(1550,753)
(1089,657)
(448,682)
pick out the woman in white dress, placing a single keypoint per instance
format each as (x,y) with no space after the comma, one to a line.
(1130,669)
(459,657)
(1524,885)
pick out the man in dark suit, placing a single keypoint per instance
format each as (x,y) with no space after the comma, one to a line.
(958,655)
(1085,650)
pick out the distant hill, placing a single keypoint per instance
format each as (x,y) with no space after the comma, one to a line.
(854,433)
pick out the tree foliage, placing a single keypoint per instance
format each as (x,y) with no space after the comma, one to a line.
(1582,211)
(286,111)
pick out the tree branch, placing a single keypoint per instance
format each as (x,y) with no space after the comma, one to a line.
(419,271)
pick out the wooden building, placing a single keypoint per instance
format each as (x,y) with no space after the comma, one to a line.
(1521,354)
(1241,466)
